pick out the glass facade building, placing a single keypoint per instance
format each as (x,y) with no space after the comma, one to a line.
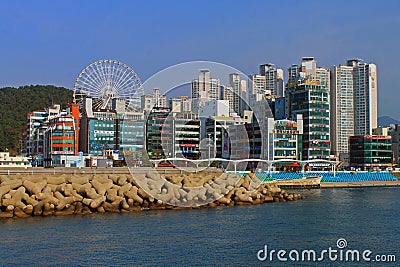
(310,99)
(370,151)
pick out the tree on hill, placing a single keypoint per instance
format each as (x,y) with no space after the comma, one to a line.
(16,103)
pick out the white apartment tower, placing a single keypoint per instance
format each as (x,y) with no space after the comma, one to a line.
(230,96)
(342,108)
(322,75)
(365,97)
(259,84)
(235,92)
(154,100)
(354,102)
(274,79)
(205,86)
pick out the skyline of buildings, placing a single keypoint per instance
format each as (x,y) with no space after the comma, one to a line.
(331,102)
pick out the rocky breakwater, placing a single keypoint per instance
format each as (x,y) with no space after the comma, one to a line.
(45,195)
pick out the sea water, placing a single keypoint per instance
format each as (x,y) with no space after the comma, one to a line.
(365,218)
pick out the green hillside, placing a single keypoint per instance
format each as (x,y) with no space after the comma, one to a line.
(16,103)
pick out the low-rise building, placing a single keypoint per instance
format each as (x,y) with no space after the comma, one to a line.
(221,130)
(282,140)
(159,134)
(370,151)
(186,131)
(172,134)
(394,132)
(37,125)
(288,139)
(117,130)
(62,137)
(19,161)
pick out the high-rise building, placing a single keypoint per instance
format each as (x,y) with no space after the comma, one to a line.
(365,96)
(203,89)
(214,91)
(215,127)
(205,86)
(260,107)
(342,108)
(282,140)
(259,84)
(322,75)
(308,95)
(229,95)
(310,99)
(154,100)
(274,79)
(353,95)
(238,94)
(293,73)
(311,72)
(308,68)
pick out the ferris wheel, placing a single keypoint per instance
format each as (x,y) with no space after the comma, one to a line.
(105,80)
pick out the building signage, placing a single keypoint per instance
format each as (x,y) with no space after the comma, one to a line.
(287,131)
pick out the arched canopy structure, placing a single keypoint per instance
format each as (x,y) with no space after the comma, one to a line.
(269,163)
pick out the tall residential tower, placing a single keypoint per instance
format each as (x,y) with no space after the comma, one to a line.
(354,105)
(365,97)
(342,108)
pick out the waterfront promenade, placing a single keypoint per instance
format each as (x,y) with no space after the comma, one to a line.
(144,170)
(88,170)
(360,184)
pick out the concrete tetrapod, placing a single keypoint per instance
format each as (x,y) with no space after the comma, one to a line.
(39,195)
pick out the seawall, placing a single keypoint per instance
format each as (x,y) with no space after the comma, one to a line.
(24,195)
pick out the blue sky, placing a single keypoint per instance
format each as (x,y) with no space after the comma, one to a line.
(49,42)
